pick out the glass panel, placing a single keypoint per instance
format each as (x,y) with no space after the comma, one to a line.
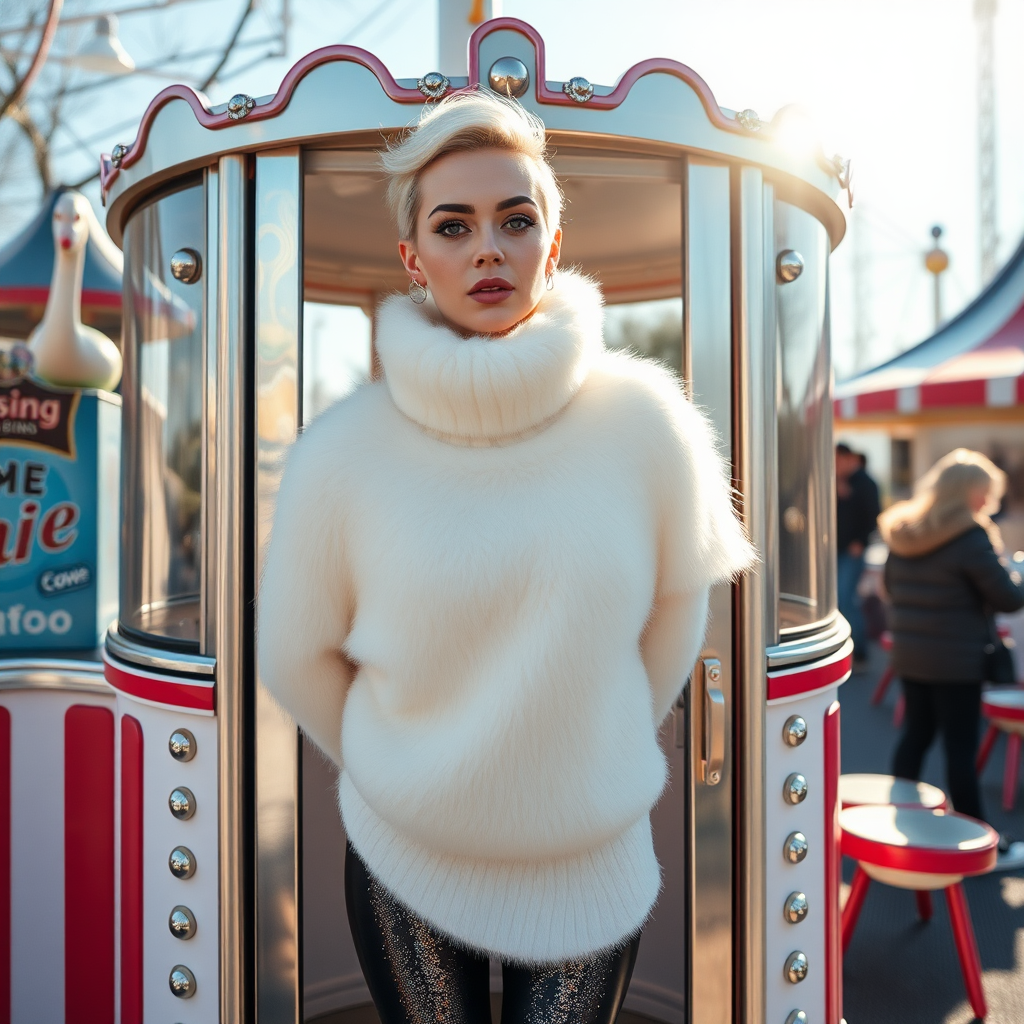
(163,405)
(335,355)
(653,329)
(807,591)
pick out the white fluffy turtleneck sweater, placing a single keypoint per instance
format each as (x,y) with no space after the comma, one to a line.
(486,586)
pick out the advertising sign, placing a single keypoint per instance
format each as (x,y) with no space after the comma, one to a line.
(59,478)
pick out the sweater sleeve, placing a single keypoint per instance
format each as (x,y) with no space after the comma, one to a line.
(701,542)
(1001,588)
(306,602)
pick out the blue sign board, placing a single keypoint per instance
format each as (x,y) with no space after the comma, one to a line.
(59,478)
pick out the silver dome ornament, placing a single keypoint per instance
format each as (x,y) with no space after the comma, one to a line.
(182,982)
(240,106)
(795,847)
(118,153)
(794,790)
(748,119)
(182,803)
(182,743)
(182,923)
(797,1017)
(433,85)
(509,77)
(182,862)
(789,266)
(578,89)
(795,908)
(186,267)
(796,967)
(794,732)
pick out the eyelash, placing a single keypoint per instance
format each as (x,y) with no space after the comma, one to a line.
(529,222)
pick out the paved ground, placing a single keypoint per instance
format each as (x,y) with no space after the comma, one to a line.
(898,971)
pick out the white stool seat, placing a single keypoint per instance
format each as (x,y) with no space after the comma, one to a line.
(855,790)
(1005,708)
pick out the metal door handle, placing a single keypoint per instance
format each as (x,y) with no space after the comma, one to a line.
(714,722)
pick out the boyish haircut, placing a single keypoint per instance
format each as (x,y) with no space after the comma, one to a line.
(466,121)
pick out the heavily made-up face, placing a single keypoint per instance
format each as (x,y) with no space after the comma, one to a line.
(482,246)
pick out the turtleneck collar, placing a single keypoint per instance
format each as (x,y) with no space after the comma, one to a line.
(486,390)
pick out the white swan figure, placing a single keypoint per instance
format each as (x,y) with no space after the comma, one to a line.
(67,352)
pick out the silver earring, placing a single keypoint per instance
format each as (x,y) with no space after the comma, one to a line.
(417,292)
(549,282)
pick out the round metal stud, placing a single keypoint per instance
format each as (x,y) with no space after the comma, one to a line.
(794,732)
(182,923)
(797,1017)
(182,745)
(795,847)
(578,89)
(795,908)
(433,85)
(182,982)
(795,789)
(182,862)
(789,265)
(509,76)
(118,153)
(748,119)
(796,968)
(182,803)
(240,106)
(186,266)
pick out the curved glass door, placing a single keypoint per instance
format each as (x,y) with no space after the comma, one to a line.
(807,586)
(162,388)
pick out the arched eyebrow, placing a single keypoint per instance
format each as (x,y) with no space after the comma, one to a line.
(514,201)
(505,204)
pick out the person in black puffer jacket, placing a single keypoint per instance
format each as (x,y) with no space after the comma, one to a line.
(945,580)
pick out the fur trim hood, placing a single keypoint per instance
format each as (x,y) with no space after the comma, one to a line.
(909,530)
(486,390)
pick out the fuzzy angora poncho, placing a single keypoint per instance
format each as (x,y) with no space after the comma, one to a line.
(486,586)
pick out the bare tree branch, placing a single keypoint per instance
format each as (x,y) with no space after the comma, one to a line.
(212,77)
(22,84)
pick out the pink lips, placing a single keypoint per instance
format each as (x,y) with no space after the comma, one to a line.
(491,290)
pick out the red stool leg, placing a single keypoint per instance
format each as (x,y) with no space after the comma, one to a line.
(966,948)
(898,712)
(858,890)
(883,685)
(985,750)
(1010,770)
(924,904)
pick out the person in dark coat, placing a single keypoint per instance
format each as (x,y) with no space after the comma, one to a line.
(856,511)
(946,579)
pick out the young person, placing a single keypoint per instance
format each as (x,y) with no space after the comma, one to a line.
(945,579)
(487,584)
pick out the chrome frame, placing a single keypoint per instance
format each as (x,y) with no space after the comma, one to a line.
(278,389)
(707,339)
(228,590)
(754,455)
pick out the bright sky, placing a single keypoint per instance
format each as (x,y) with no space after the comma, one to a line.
(891,84)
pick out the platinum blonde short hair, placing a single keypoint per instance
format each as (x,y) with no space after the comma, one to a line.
(466,121)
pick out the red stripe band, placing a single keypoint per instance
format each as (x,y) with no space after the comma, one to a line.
(88,865)
(833,840)
(131,871)
(789,682)
(172,691)
(35,295)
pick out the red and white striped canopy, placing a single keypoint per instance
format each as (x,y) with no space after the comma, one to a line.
(976,360)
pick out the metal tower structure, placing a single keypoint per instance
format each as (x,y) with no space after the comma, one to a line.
(988,237)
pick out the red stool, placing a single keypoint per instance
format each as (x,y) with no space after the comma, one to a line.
(857,790)
(918,849)
(885,642)
(1005,710)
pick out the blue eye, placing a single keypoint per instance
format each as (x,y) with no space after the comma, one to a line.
(451,229)
(519,222)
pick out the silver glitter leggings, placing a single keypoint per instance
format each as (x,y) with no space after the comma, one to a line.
(417,976)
